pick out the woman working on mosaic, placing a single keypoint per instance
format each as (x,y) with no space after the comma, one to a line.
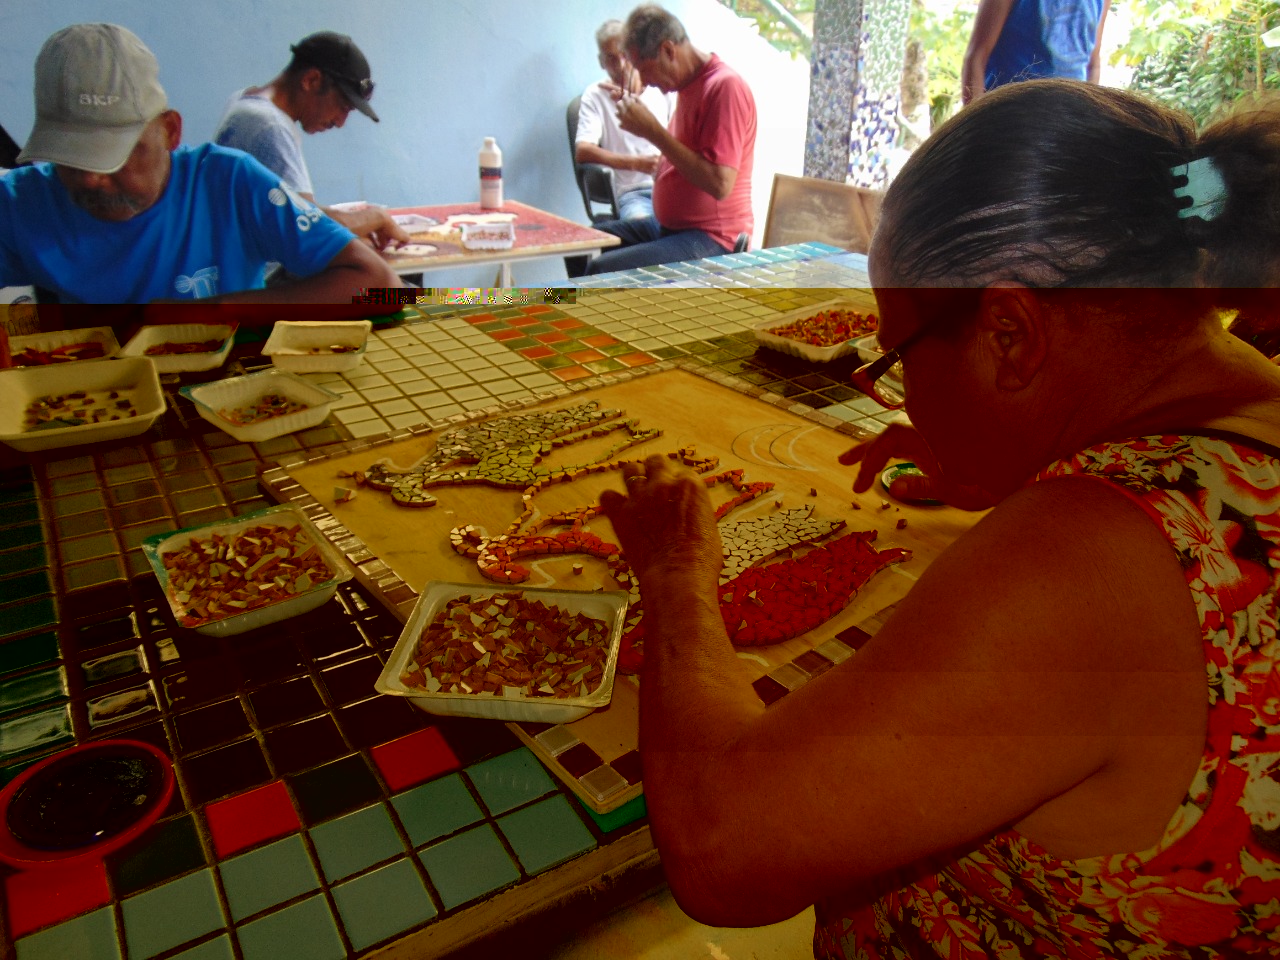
(1027,760)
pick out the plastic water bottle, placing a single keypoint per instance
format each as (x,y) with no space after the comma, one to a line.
(490,175)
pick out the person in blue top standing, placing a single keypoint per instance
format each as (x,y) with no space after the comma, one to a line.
(1016,40)
(114,210)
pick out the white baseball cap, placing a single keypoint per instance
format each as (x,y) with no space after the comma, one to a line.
(97,88)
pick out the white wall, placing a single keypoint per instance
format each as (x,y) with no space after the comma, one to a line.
(449,73)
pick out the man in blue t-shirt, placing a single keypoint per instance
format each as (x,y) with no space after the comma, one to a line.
(1016,40)
(120,213)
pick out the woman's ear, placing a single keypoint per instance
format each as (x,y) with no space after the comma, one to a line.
(1012,329)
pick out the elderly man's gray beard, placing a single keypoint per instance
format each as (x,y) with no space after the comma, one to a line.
(108,206)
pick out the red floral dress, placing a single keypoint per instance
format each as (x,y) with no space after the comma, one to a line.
(1210,889)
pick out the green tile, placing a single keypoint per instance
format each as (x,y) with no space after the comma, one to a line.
(436,808)
(15,513)
(167,850)
(358,840)
(303,931)
(42,729)
(546,834)
(468,866)
(77,484)
(87,548)
(32,651)
(505,782)
(79,503)
(80,576)
(31,615)
(554,363)
(21,560)
(170,915)
(31,689)
(217,949)
(628,813)
(90,937)
(383,903)
(25,587)
(23,536)
(268,876)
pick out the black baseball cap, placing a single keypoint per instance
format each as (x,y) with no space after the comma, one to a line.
(337,56)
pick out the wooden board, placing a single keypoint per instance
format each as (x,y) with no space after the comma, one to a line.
(767,441)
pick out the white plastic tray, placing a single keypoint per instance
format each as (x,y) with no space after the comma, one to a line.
(156,546)
(488,236)
(610,606)
(152,335)
(22,387)
(291,340)
(805,350)
(236,392)
(61,338)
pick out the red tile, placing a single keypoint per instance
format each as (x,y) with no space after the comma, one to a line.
(37,898)
(414,759)
(634,359)
(536,353)
(599,340)
(568,323)
(501,335)
(522,321)
(536,308)
(571,373)
(585,356)
(554,337)
(480,318)
(249,818)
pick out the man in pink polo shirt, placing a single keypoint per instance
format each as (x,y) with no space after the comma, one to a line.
(702,191)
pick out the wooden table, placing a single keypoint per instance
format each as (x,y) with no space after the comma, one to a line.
(538,234)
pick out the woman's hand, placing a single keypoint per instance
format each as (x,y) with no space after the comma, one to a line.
(901,442)
(665,523)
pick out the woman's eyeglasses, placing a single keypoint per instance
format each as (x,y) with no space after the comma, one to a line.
(869,377)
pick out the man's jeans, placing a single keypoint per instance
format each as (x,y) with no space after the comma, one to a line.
(636,204)
(645,243)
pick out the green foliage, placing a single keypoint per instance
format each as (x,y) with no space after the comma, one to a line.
(943,28)
(1202,56)
(774,28)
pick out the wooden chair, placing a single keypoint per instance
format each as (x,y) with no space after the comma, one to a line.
(804,209)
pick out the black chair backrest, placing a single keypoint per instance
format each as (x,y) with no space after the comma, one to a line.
(595,182)
(9,149)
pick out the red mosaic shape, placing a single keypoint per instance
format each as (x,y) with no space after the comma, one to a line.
(554,336)
(249,818)
(571,373)
(38,898)
(585,356)
(417,758)
(480,318)
(536,353)
(635,359)
(568,323)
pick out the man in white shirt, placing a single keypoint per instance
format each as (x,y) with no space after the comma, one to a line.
(600,140)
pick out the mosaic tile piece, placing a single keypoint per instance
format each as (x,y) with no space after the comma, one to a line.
(381,904)
(334,789)
(170,915)
(469,866)
(546,834)
(356,841)
(267,876)
(509,780)
(90,937)
(218,948)
(436,809)
(172,848)
(301,931)
(39,898)
(414,759)
(240,822)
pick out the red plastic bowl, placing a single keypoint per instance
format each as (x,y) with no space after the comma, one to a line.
(83,802)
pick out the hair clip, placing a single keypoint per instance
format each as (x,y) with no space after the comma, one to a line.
(1205,188)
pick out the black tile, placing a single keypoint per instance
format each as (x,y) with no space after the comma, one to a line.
(306,744)
(379,720)
(165,851)
(225,770)
(352,681)
(474,740)
(627,766)
(285,702)
(854,637)
(269,664)
(151,732)
(334,789)
(208,681)
(769,690)
(211,725)
(103,603)
(579,760)
(138,490)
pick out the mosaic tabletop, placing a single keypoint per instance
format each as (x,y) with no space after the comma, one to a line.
(312,817)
